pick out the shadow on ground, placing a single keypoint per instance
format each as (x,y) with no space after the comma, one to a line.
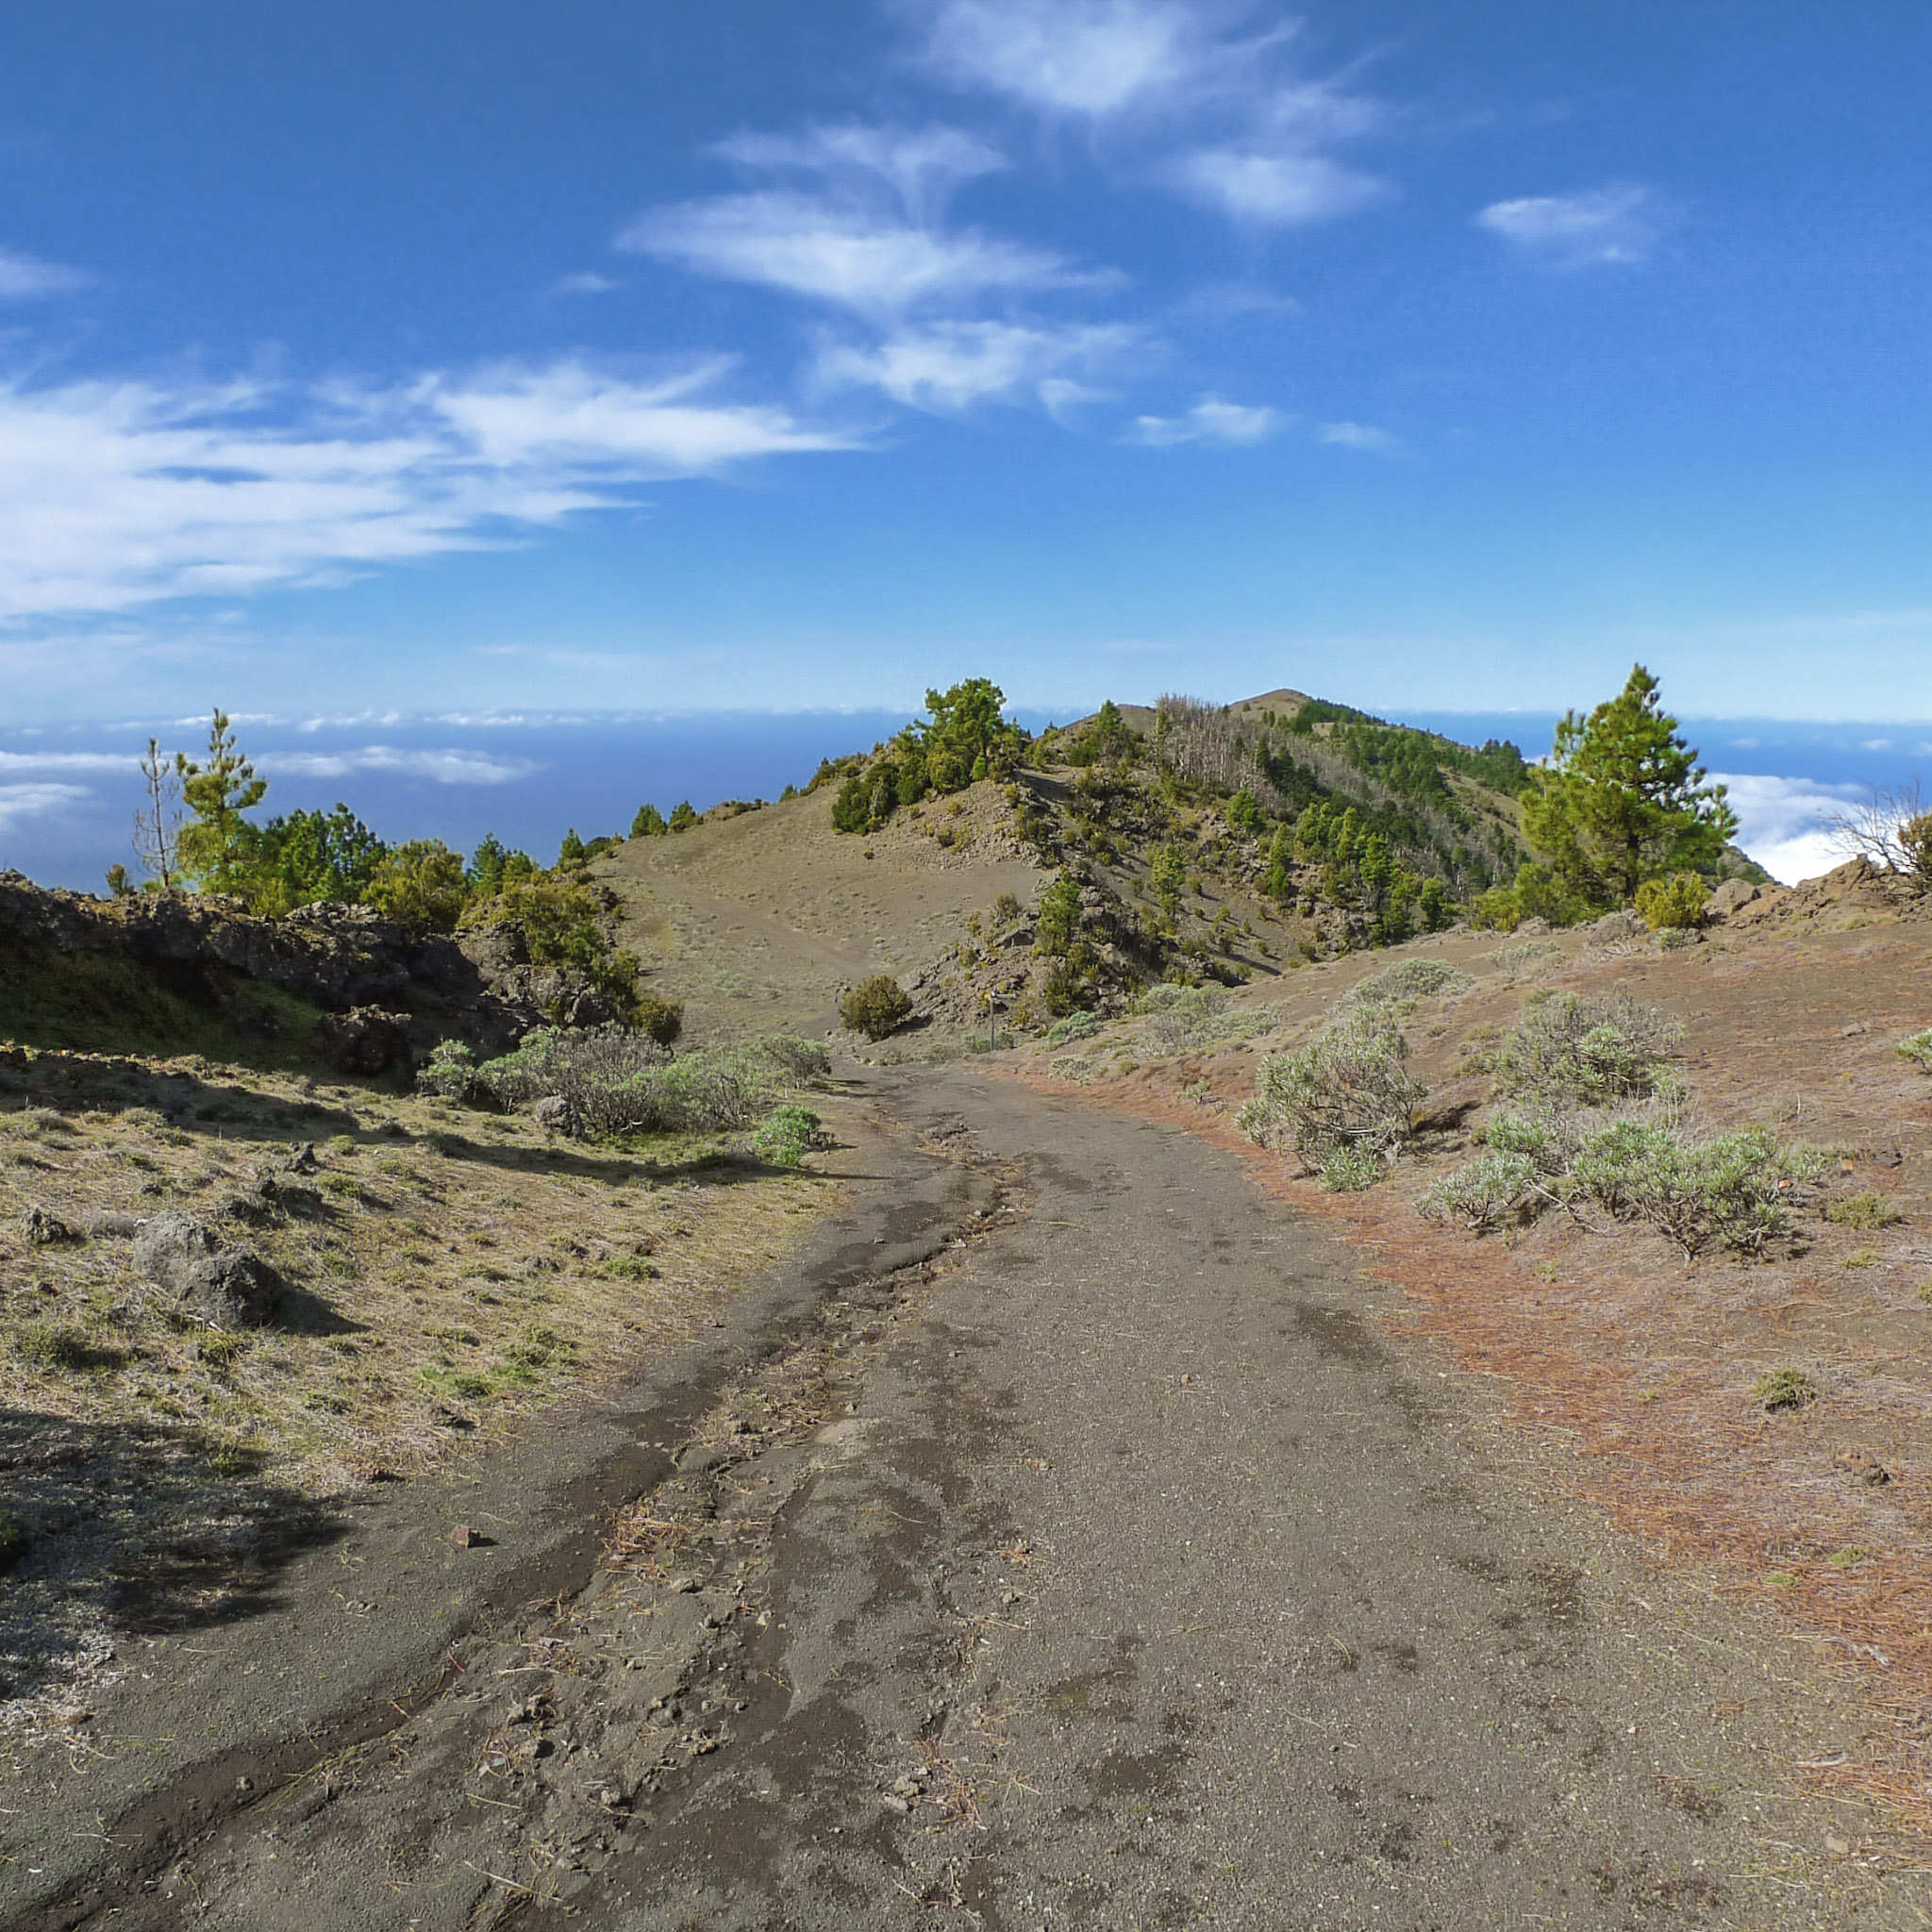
(137,1528)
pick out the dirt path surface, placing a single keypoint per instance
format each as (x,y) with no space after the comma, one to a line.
(1074,1547)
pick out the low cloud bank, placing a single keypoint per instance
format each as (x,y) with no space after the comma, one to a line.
(1782,822)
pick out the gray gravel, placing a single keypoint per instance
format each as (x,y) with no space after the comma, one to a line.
(1111,1566)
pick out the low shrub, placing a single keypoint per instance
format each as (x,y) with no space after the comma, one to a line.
(1720,1192)
(1407,981)
(1352,1169)
(1351,1089)
(1585,1048)
(876,1007)
(1917,1047)
(1183,1016)
(1494,1188)
(1526,960)
(1676,904)
(1785,1388)
(786,1134)
(614,1081)
(1729,1192)
(1862,1210)
(1545,1136)
(662,1019)
(451,1072)
(1074,1027)
(801,1061)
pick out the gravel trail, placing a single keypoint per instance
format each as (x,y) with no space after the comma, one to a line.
(1112,1565)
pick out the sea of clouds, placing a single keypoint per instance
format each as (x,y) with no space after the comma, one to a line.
(68,792)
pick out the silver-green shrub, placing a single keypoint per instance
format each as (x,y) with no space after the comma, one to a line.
(1351,1089)
(1077,1026)
(1720,1192)
(615,1080)
(1405,982)
(1585,1049)
(1351,1169)
(786,1134)
(1494,1188)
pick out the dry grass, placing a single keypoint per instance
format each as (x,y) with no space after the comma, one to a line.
(464,1268)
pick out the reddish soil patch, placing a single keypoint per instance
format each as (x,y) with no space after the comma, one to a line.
(1634,1370)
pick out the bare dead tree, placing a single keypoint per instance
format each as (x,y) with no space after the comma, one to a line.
(158,822)
(1892,830)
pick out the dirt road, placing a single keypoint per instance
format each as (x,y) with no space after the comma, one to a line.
(1113,1566)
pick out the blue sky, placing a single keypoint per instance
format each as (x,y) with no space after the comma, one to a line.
(362,359)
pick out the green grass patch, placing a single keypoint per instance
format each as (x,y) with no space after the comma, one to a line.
(1785,1387)
(60,1349)
(108,1003)
(1862,1210)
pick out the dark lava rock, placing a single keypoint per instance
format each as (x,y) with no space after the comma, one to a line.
(44,1230)
(230,1286)
(367,1040)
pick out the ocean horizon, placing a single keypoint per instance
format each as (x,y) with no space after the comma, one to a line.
(68,791)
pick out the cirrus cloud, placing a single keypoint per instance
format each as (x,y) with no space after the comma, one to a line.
(1210,421)
(26,278)
(1081,57)
(116,493)
(1615,223)
(948,366)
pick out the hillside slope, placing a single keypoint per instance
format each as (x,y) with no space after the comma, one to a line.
(758,919)
(1185,829)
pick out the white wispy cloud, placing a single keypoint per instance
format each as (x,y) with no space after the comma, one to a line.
(951,365)
(115,494)
(1242,132)
(1356,436)
(921,166)
(866,232)
(1282,188)
(1079,56)
(1209,421)
(26,278)
(869,259)
(67,761)
(28,801)
(1614,224)
(569,419)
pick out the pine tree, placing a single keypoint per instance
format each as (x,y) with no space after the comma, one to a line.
(1623,799)
(210,850)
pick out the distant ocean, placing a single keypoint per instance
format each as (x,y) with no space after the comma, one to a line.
(68,792)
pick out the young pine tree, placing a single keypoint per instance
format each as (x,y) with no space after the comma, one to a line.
(211,849)
(1622,798)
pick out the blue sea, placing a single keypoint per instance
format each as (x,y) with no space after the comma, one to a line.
(68,792)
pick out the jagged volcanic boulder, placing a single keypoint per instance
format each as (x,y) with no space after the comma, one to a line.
(232,1287)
